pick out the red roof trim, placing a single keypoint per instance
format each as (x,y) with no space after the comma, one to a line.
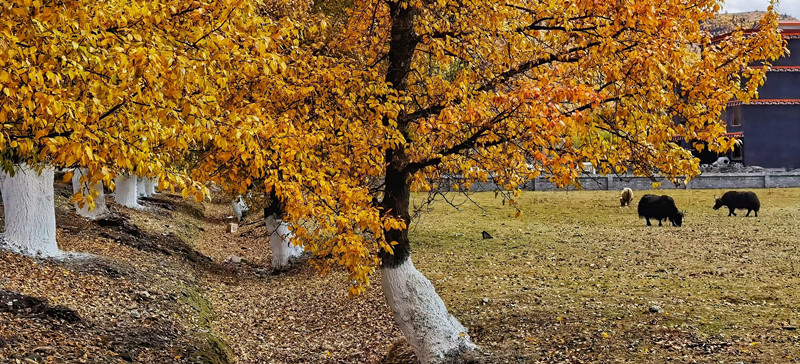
(781,68)
(766,102)
(786,33)
(725,35)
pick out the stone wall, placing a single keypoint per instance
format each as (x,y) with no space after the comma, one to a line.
(704,181)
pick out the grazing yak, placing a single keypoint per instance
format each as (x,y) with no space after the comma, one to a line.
(738,200)
(660,208)
(626,197)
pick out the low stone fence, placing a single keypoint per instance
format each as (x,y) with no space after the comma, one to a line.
(703,181)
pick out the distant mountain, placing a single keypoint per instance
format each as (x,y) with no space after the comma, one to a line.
(724,23)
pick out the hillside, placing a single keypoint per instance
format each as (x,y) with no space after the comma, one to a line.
(724,23)
(160,286)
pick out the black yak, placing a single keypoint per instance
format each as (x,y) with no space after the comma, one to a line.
(660,208)
(626,197)
(738,200)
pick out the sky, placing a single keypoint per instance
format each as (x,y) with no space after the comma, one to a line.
(791,7)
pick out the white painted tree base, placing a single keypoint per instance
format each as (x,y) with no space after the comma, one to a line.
(61,256)
(239,207)
(100,207)
(30,215)
(125,191)
(434,334)
(150,186)
(283,251)
(141,187)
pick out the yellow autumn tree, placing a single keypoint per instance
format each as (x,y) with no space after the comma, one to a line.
(376,98)
(114,88)
(392,95)
(496,86)
(328,111)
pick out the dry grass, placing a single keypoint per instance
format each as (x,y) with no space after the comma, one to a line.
(573,279)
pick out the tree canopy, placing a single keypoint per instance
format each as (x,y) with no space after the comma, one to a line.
(330,104)
(499,89)
(117,86)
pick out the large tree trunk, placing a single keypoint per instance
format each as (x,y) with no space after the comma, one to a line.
(125,192)
(434,335)
(30,215)
(100,208)
(280,238)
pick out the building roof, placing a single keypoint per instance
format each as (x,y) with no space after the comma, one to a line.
(789,24)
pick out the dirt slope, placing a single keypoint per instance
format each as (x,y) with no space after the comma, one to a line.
(155,290)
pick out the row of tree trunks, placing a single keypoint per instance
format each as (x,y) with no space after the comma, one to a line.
(29,206)
(130,188)
(150,186)
(28,200)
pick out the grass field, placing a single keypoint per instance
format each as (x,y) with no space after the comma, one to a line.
(575,277)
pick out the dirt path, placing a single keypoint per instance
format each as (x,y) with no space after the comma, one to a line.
(292,317)
(157,291)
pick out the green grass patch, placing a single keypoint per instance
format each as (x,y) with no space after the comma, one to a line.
(213,348)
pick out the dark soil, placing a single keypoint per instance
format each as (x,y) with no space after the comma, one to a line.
(120,229)
(26,306)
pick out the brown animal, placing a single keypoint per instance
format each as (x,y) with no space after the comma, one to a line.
(626,197)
